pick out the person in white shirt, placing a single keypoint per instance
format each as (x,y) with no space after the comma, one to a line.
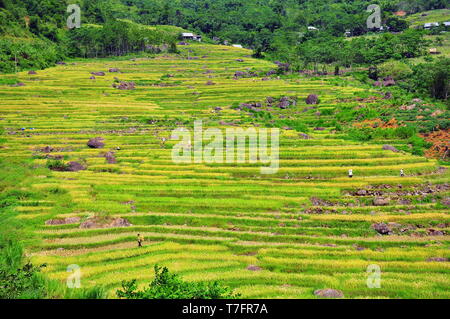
(350,173)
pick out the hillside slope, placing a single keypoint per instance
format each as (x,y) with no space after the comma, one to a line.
(269,236)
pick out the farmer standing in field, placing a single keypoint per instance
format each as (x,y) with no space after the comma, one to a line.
(350,173)
(140,240)
(402,173)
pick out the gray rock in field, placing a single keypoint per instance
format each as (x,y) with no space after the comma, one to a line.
(305,136)
(63,221)
(254,268)
(382,228)
(390,148)
(19,84)
(329,293)
(113,70)
(110,158)
(75,167)
(47,149)
(312,99)
(96,142)
(32,72)
(98,73)
(433,232)
(381,201)
(361,192)
(438,259)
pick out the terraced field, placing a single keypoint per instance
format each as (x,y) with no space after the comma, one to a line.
(284,235)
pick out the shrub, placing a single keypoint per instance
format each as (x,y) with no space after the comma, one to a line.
(395,69)
(171,286)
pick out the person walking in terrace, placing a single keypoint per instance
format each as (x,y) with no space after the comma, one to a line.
(140,240)
(350,173)
(402,173)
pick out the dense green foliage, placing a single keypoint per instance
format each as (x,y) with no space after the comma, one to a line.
(276,27)
(170,286)
(431,78)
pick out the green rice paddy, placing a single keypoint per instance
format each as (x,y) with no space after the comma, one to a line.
(213,221)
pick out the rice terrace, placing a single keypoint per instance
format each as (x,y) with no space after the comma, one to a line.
(357,207)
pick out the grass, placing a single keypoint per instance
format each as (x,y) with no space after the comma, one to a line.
(212,221)
(419,19)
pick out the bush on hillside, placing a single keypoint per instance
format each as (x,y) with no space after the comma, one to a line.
(395,69)
(170,286)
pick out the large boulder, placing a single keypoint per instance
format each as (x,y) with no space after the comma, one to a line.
(382,228)
(75,167)
(96,142)
(312,99)
(381,201)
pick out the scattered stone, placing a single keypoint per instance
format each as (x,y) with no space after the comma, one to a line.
(388,96)
(19,84)
(381,201)
(433,232)
(438,259)
(75,167)
(312,99)
(96,222)
(96,142)
(305,136)
(361,192)
(437,113)
(110,158)
(61,63)
(382,228)
(329,293)
(63,221)
(47,149)
(92,78)
(122,85)
(32,72)
(114,70)
(389,81)
(390,148)
(254,268)
(446,201)
(98,73)
(210,83)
